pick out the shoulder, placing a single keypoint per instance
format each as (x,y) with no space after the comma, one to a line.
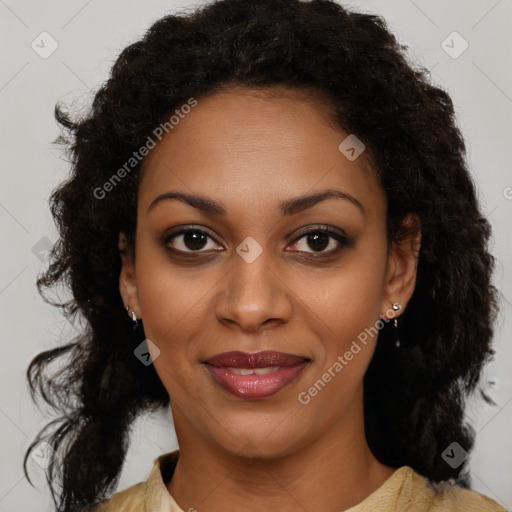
(447,497)
(128,500)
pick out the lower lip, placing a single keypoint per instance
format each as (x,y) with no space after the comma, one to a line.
(255,387)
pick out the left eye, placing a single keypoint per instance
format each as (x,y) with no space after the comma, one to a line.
(319,240)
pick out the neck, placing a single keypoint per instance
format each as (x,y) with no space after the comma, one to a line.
(335,472)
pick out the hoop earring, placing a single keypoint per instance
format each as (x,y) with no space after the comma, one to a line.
(396,307)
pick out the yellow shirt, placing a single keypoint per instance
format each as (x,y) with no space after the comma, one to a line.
(404,491)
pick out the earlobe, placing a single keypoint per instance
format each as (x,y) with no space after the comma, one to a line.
(127,279)
(402,266)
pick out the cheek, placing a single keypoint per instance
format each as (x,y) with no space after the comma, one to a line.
(346,316)
(173,305)
(345,310)
(170,299)
(350,297)
(173,313)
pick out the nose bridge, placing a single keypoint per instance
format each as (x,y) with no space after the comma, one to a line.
(253,293)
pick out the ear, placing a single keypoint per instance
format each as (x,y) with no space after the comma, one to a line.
(402,268)
(127,279)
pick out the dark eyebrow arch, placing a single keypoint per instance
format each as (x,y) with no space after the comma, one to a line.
(202,203)
(299,204)
(289,207)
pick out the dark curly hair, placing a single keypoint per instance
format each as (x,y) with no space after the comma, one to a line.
(418,155)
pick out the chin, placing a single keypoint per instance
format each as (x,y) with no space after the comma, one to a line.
(260,445)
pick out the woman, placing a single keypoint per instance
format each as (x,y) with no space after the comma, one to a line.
(279,203)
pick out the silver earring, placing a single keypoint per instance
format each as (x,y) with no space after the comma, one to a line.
(396,307)
(134,317)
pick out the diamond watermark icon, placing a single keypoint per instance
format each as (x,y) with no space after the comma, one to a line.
(147,352)
(454,45)
(454,455)
(43,454)
(249,249)
(351,147)
(44,45)
(41,248)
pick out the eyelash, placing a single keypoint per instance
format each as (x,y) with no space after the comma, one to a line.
(343,240)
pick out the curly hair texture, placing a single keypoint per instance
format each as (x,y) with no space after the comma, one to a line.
(409,128)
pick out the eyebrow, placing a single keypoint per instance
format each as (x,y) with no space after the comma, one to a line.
(287,208)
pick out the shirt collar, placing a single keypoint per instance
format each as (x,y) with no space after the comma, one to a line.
(157,497)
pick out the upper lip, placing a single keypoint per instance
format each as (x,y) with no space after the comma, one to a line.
(263,359)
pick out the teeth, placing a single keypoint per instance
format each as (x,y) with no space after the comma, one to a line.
(250,371)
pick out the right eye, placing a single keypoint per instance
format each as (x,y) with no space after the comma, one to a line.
(189,240)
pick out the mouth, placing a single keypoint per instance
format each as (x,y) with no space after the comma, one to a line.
(255,376)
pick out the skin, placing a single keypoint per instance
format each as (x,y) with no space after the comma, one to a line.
(250,152)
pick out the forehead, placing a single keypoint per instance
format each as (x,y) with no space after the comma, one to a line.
(248,145)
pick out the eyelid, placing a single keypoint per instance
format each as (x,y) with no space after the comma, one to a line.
(326,228)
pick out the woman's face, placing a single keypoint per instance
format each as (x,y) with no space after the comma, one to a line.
(253,281)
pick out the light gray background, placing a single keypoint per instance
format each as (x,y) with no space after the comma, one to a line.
(90,35)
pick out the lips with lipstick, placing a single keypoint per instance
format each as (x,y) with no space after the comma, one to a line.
(255,376)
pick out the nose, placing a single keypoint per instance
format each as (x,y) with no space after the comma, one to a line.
(255,297)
